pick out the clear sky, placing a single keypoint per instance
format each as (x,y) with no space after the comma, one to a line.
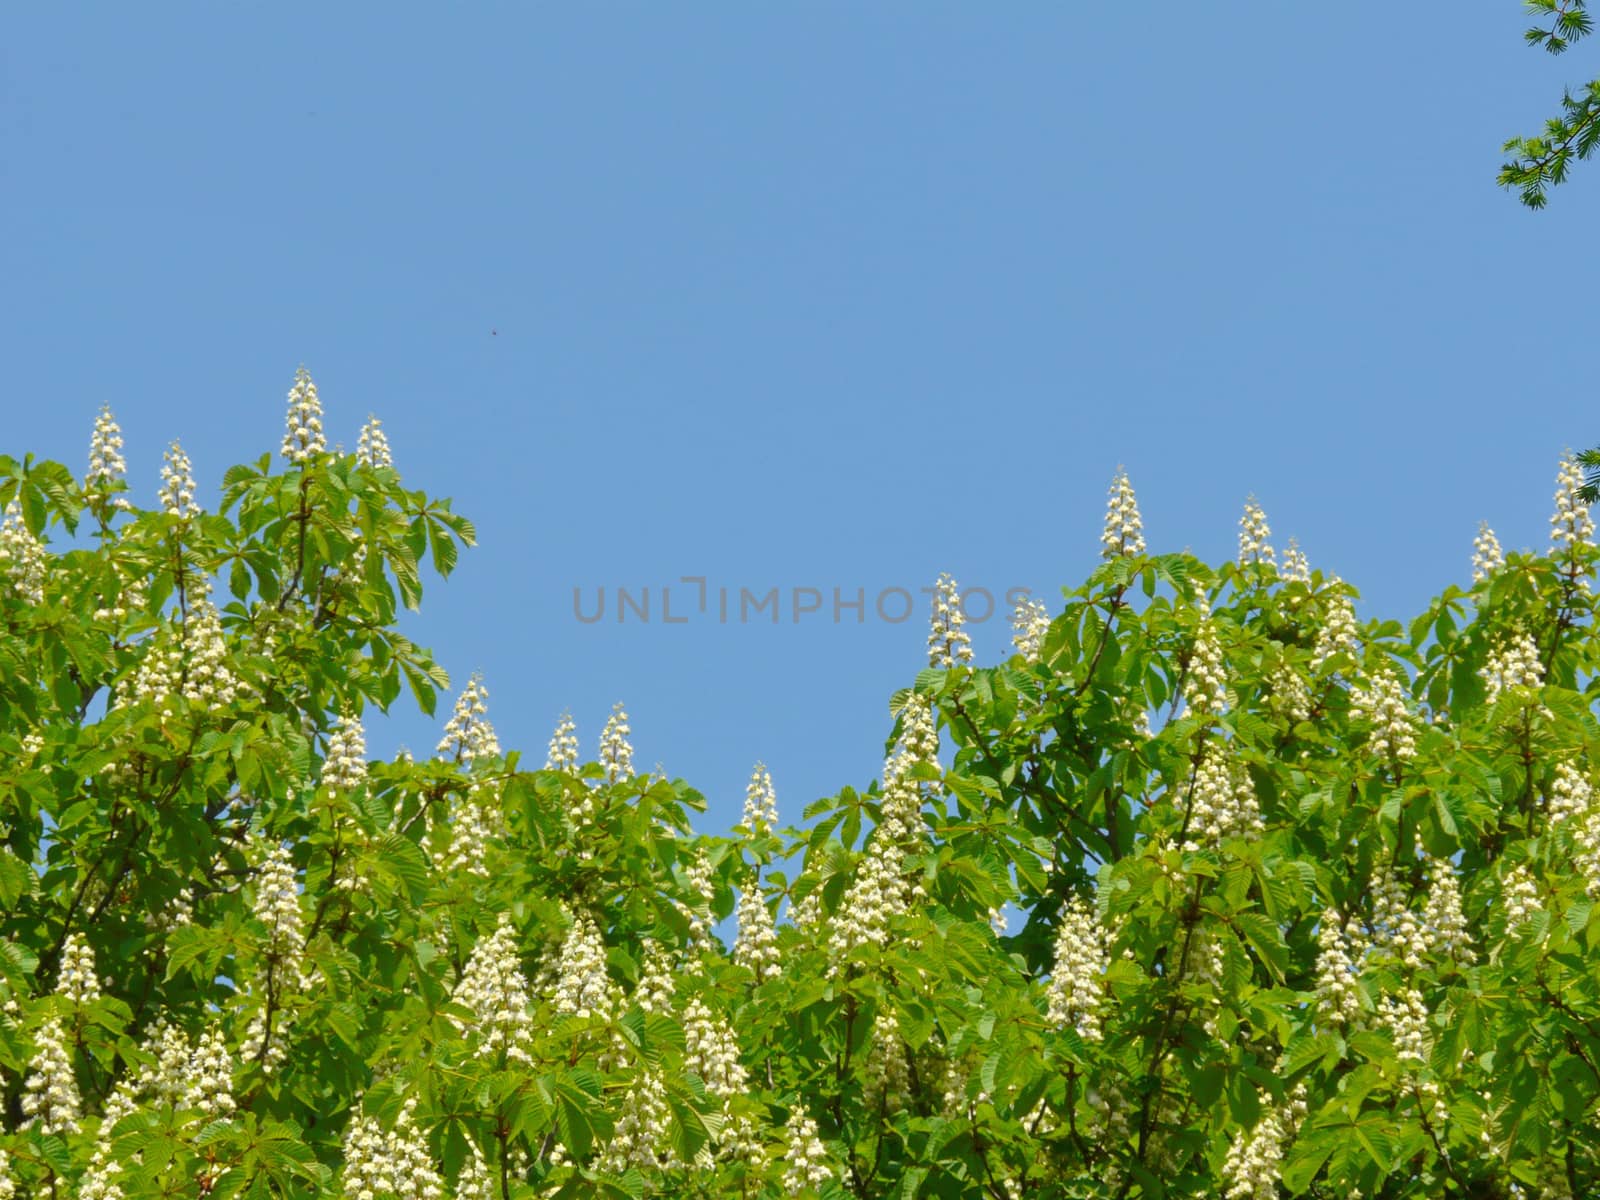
(805,296)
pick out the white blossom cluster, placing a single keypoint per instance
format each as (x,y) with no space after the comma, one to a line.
(167,1077)
(1406,1019)
(900,816)
(1124,532)
(177,483)
(919,737)
(99,1180)
(874,897)
(654,992)
(263,1040)
(345,768)
(365,1172)
(22,556)
(1519,896)
(194,665)
(1296,567)
(1398,931)
(1254,1158)
(1338,983)
(1445,926)
(880,890)
(208,679)
(756,947)
(1030,622)
(760,802)
(50,1097)
(1571,794)
(742,1139)
(1288,692)
(807,910)
(472,821)
(468,736)
(703,889)
(1513,664)
(493,987)
(412,1173)
(1381,704)
(958,1096)
(644,1127)
(77,982)
(107,467)
(948,642)
(806,1158)
(1487,557)
(616,752)
(563,752)
(372,446)
(1338,632)
(8,1185)
(583,987)
(1299,1105)
(1571,526)
(393,1165)
(1572,806)
(1077,978)
(354,568)
(119,1104)
(1253,534)
(475,1182)
(277,906)
(1206,967)
(303,438)
(1586,857)
(1224,804)
(209,1087)
(888,1073)
(132,597)
(1205,683)
(711,1050)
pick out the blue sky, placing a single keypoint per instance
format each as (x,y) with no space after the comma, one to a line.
(808,296)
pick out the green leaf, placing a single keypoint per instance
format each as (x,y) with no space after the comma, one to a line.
(16,879)
(579,1115)
(403,859)
(422,688)
(1305,1161)
(442,548)
(1266,940)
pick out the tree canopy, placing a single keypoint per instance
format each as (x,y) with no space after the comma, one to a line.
(1212,889)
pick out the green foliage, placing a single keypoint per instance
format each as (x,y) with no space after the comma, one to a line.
(1541,162)
(316,975)
(1589,460)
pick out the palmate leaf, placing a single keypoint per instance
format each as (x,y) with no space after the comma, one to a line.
(1539,163)
(579,1115)
(1306,1159)
(1590,461)
(1568,22)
